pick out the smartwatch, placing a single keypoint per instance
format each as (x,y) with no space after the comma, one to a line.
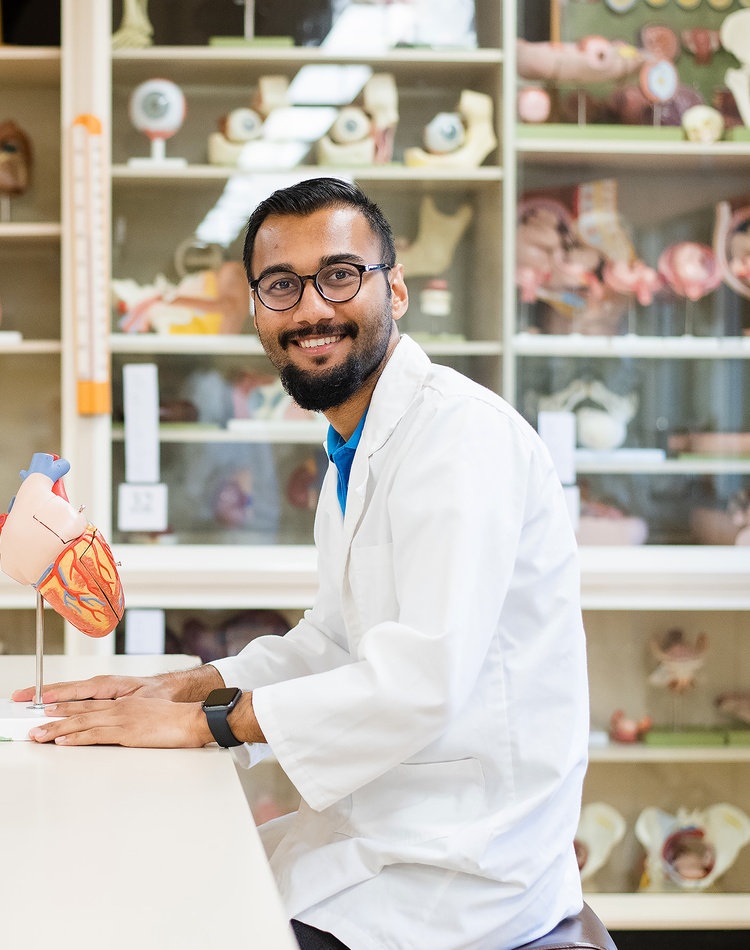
(217,706)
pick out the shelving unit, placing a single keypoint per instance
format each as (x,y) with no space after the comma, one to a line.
(666,189)
(626,591)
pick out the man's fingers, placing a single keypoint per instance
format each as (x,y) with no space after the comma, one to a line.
(77,708)
(84,722)
(98,687)
(28,693)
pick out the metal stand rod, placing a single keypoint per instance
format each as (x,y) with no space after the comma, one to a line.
(38,704)
(249,19)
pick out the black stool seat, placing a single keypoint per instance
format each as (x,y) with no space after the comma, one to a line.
(583,932)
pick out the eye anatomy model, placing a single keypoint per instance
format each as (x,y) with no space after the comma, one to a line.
(157,108)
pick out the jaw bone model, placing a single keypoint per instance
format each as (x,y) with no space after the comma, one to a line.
(735,38)
(438,235)
(135,30)
(475,111)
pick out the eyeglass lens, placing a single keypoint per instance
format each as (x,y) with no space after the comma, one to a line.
(337,282)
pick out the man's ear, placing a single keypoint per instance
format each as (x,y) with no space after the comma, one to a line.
(399,293)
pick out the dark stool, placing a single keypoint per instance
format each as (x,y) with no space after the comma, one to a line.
(583,932)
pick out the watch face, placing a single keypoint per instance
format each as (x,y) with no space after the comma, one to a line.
(221,697)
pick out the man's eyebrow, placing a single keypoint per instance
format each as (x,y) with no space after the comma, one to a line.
(341,258)
(286,268)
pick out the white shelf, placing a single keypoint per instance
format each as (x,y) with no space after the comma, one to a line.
(29,347)
(252,430)
(461,348)
(184,343)
(629,153)
(392,174)
(249,344)
(203,577)
(672,911)
(201,64)
(610,465)
(31,231)
(665,577)
(630,345)
(644,754)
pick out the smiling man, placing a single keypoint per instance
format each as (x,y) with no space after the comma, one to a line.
(431,707)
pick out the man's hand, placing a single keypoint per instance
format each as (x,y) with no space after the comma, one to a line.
(98,687)
(131,721)
(185,686)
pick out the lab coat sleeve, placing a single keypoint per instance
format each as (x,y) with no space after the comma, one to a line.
(456,507)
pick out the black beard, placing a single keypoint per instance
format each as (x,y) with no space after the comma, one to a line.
(319,392)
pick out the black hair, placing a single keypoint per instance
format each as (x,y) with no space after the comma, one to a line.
(312,195)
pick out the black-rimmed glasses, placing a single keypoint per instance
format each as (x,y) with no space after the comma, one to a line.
(337,283)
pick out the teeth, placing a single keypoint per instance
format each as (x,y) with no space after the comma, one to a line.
(318,341)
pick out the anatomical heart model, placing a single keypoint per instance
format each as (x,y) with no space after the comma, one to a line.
(49,545)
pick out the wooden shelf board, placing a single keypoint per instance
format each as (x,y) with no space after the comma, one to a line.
(629,153)
(614,754)
(29,65)
(672,911)
(693,466)
(31,231)
(30,347)
(665,577)
(218,576)
(255,430)
(392,174)
(185,343)
(229,64)
(249,344)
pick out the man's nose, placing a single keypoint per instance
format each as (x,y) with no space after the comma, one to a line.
(312,306)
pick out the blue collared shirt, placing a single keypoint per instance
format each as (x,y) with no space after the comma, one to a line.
(342,455)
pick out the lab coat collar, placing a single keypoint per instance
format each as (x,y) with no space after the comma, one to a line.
(399,385)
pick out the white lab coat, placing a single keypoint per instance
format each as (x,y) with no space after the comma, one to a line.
(432,707)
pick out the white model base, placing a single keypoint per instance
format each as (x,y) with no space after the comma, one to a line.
(17,718)
(157,162)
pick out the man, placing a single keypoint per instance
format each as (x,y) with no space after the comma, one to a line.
(431,708)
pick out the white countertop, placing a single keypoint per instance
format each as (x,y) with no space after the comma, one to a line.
(112,848)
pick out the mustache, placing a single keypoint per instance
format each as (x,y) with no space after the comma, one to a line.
(347,328)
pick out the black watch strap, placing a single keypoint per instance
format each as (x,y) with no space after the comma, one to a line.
(216,717)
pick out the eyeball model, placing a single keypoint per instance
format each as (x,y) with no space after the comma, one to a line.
(352,125)
(242,125)
(157,108)
(445,133)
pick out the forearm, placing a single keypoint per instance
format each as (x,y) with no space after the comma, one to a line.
(190,686)
(242,721)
